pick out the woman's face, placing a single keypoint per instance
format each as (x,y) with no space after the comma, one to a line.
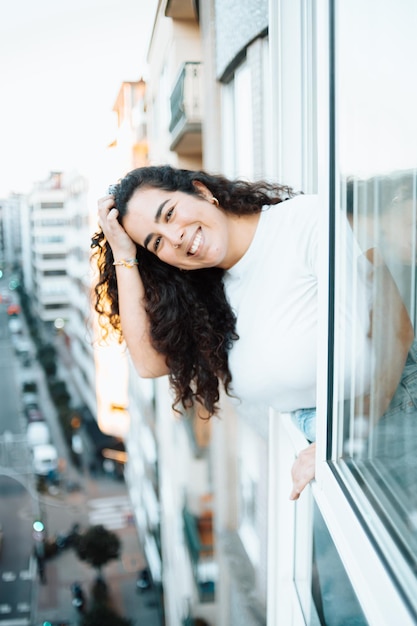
(186,231)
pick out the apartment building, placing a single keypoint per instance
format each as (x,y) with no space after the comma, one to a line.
(278,90)
(127,150)
(10,231)
(46,271)
(77,331)
(178,468)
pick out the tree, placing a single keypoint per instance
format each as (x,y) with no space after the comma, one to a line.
(59,392)
(47,358)
(97,546)
(101,615)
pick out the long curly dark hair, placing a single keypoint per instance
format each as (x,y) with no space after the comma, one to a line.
(191,321)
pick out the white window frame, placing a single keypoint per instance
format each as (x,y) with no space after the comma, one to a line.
(237,124)
(376,592)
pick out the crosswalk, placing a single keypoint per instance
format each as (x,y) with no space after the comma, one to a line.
(113,513)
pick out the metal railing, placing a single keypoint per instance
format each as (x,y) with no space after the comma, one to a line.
(186,98)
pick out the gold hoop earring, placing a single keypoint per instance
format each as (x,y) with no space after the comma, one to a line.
(215,201)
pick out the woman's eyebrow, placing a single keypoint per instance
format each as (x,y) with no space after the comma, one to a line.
(156,220)
(159,211)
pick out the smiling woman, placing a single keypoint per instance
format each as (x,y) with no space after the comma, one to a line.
(192,274)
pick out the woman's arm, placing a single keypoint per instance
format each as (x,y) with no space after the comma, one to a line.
(133,319)
(391,332)
(392,335)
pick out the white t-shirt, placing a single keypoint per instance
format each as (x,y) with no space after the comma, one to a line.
(273,292)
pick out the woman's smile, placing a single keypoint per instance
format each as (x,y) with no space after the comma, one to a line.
(196,244)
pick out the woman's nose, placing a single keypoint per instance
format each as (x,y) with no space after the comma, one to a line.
(177,241)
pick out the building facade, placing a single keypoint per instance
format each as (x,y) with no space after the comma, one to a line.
(47,277)
(10,232)
(277,90)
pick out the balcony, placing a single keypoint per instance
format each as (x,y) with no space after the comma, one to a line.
(198,532)
(182,9)
(187,111)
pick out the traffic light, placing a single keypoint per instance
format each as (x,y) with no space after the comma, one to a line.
(38,526)
(38,533)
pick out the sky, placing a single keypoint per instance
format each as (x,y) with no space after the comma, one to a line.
(61,66)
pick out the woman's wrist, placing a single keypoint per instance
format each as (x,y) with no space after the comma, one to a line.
(126,262)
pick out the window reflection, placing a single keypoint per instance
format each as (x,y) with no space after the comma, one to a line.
(374,436)
(378,413)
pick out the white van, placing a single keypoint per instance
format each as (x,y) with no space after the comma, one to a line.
(37,433)
(45,459)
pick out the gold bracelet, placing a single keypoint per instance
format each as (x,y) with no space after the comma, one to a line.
(126,262)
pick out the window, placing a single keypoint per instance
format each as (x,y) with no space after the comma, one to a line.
(54,273)
(374,428)
(238,124)
(52,205)
(50,239)
(53,257)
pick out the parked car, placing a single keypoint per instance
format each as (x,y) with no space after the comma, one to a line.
(29,386)
(37,434)
(45,459)
(21,346)
(15,325)
(5,297)
(13,309)
(29,399)
(34,414)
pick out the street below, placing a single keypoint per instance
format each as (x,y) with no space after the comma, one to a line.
(34,592)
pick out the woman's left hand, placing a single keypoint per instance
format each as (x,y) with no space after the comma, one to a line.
(303,470)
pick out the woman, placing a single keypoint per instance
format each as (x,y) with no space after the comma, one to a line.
(211,283)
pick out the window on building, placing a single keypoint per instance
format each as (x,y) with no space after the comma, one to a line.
(54,273)
(49,222)
(55,307)
(52,205)
(53,257)
(50,239)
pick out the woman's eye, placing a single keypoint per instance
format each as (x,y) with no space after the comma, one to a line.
(169,214)
(156,244)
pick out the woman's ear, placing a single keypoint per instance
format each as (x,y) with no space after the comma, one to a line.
(202,190)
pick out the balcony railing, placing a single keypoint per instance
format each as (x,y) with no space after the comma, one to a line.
(187,110)
(198,533)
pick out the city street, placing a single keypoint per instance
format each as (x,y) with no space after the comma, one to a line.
(16,564)
(79,498)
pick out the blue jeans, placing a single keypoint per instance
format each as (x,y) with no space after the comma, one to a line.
(305,420)
(403,403)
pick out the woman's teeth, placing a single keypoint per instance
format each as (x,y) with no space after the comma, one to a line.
(196,243)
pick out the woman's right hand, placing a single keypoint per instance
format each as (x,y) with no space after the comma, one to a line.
(121,244)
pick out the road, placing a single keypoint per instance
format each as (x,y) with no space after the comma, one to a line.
(16,564)
(10,403)
(101,499)
(17,505)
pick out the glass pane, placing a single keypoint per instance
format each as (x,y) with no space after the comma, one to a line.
(324,590)
(375,433)
(335,601)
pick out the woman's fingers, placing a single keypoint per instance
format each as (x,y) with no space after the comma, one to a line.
(105,206)
(303,470)
(119,241)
